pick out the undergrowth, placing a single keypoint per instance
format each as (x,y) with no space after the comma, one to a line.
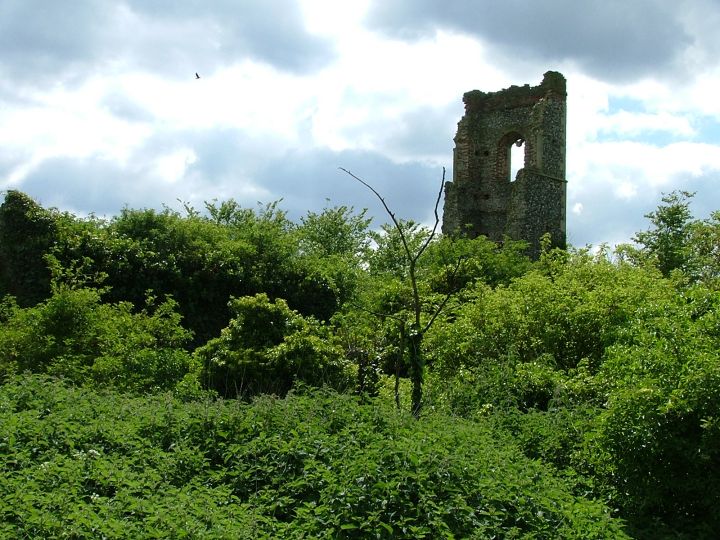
(80,463)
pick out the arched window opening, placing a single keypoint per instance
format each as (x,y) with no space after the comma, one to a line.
(510,156)
(517,157)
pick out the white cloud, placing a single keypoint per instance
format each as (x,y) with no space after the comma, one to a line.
(626,123)
(331,18)
(626,190)
(280,106)
(379,81)
(67,123)
(171,167)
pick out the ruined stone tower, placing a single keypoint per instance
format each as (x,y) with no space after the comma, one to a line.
(483,199)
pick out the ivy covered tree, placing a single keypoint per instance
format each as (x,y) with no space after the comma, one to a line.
(27,233)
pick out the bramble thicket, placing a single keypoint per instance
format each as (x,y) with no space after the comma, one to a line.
(226,372)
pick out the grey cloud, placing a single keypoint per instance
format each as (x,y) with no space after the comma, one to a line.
(101,186)
(208,34)
(605,218)
(8,163)
(125,108)
(306,180)
(43,43)
(422,133)
(429,129)
(233,164)
(219,151)
(86,186)
(39,40)
(612,39)
(230,161)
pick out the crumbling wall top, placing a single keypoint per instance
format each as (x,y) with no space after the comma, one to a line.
(552,86)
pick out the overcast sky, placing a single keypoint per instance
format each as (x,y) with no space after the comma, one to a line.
(100,107)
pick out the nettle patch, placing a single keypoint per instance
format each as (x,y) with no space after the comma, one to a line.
(78,463)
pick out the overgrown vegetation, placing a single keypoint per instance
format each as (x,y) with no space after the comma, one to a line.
(315,465)
(227,373)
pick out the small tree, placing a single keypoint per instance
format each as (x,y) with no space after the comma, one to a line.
(705,250)
(667,242)
(414,332)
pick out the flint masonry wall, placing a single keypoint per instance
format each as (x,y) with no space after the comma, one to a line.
(482,199)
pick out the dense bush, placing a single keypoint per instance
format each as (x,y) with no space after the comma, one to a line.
(658,440)
(605,371)
(562,315)
(201,260)
(459,262)
(76,336)
(81,464)
(267,348)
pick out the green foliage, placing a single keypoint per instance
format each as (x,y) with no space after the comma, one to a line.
(544,383)
(612,372)
(78,464)
(203,261)
(335,231)
(556,437)
(267,347)
(455,263)
(509,385)
(396,256)
(563,318)
(658,439)
(81,464)
(190,258)
(677,242)
(27,231)
(705,251)
(362,340)
(332,246)
(74,335)
(666,243)
(389,257)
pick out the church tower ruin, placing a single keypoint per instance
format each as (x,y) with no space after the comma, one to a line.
(483,199)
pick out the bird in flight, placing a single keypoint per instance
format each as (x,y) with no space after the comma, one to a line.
(197,76)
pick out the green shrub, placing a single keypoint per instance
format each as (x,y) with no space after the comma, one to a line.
(658,441)
(565,315)
(74,335)
(267,347)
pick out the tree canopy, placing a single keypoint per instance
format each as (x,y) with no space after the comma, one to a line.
(252,367)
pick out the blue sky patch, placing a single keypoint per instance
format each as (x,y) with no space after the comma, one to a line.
(624,103)
(708,130)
